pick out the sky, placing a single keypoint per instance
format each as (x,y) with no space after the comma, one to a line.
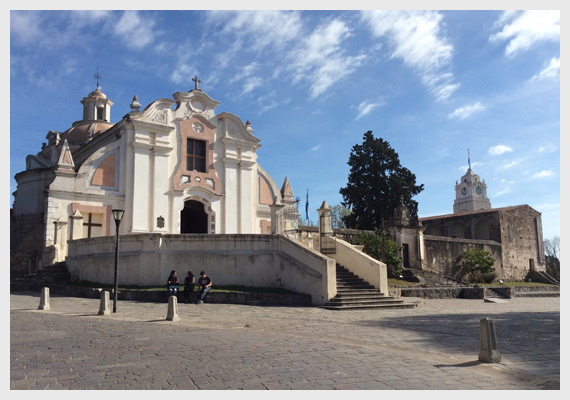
(434,84)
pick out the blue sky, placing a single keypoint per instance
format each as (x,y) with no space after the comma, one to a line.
(431,83)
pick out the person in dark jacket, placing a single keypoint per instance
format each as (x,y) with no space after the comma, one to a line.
(172,284)
(204,286)
(188,286)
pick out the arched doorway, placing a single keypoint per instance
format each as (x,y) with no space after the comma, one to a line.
(193,218)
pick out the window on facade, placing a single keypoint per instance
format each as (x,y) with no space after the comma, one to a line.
(92,225)
(196,155)
(99,113)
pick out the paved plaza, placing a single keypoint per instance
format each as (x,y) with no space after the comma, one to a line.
(226,346)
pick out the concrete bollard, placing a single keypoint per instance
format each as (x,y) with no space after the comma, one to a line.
(489,352)
(104,308)
(44,299)
(172,314)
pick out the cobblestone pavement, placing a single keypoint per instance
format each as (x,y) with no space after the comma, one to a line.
(226,346)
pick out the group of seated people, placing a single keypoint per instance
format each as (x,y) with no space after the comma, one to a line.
(204,285)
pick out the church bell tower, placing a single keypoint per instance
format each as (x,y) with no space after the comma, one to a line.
(470,193)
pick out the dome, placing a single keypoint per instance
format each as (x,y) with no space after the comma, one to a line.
(82,132)
(98,94)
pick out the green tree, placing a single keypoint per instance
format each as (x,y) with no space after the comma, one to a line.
(552,252)
(385,250)
(475,262)
(338,214)
(376,183)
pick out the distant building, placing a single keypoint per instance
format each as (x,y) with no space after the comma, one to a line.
(512,235)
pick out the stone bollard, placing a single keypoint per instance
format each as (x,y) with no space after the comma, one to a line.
(44,299)
(489,352)
(104,308)
(172,314)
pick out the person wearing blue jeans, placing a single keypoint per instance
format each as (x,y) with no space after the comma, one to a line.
(172,284)
(204,284)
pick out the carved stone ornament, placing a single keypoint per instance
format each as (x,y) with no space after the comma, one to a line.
(197,127)
(197,106)
(232,131)
(160,117)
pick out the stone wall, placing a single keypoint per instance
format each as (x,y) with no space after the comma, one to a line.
(248,260)
(442,253)
(522,242)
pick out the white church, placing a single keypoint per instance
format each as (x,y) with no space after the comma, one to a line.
(176,168)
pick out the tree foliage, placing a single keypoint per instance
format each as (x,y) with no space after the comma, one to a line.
(376,183)
(552,252)
(474,263)
(387,253)
(338,214)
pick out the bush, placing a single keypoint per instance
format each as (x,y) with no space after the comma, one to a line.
(488,277)
(475,262)
(372,243)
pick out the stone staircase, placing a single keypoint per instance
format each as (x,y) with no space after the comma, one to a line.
(56,273)
(353,293)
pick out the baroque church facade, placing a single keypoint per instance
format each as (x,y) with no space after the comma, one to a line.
(175,166)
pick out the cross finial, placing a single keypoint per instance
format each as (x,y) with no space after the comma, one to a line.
(196,81)
(97,77)
(469,158)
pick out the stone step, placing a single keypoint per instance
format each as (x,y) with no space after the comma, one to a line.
(351,302)
(377,306)
(546,293)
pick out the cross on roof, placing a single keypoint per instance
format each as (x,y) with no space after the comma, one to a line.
(196,81)
(97,76)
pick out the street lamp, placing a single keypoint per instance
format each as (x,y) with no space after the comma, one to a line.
(118,216)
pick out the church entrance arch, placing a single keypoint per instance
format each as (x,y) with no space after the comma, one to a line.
(193,218)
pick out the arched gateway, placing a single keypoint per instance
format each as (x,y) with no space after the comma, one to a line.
(193,218)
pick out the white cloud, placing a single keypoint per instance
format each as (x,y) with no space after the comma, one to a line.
(365,108)
(25,26)
(264,27)
(500,149)
(320,58)
(251,83)
(466,111)
(551,71)
(524,29)
(549,147)
(417,40)
(512,164)
(135,30)
(502,192)
(316,148)
(183,74)
(543,174)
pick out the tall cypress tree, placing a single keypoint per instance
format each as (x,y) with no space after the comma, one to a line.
(376,183)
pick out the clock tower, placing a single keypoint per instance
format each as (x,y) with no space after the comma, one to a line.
(470,193)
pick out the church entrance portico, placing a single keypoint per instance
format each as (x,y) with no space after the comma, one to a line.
(193,217)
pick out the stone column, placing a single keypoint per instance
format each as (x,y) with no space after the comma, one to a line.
(489,352)
(247,216)
(231,200)
(76,225)
(141,188)
(172,314)
(160,186)
(44,299)
(60,240)
(325,227)
(104,307)
(276,217)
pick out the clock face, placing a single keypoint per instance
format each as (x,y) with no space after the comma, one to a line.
(478,189)
(464,191)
